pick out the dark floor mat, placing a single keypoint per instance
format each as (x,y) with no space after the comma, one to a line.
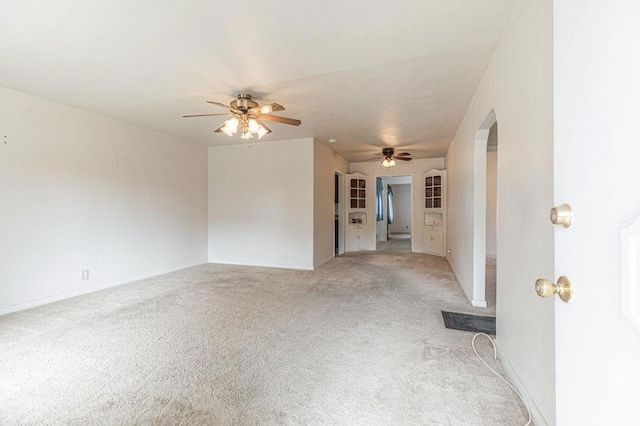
(466,322)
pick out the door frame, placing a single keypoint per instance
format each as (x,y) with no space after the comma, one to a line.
(480,210)
(413,216)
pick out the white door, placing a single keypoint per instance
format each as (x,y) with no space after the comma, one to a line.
(597,172)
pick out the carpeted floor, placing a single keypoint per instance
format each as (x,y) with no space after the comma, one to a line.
(397,243)
(359,341)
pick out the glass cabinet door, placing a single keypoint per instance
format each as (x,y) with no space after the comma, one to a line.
(358,193)
(433,192)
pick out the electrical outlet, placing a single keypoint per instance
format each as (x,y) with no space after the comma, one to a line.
(85,274)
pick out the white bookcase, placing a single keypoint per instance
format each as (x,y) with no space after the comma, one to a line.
(360,226)
(434,212)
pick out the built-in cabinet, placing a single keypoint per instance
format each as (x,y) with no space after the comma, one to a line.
(434,212)
(360,226)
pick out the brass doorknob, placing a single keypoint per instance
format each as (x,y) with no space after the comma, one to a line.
(563,288)
(562,215)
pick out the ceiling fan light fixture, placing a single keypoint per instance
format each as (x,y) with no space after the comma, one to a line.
(246,117)
(386,163)
(253,126)
(225,129)
(232,124)
(392,162)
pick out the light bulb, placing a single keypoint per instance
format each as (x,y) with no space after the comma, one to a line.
(246,135)
(261,132)
(385,162)
(232,124)
(225,129)
(392,163)
(253,126)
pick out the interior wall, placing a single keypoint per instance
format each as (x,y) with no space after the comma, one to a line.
(401,209)
(518,86)
(80,191)
(261,204)
(325,163)
(414,169)
(492,194)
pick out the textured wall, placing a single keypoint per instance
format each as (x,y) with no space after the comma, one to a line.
(325,164)
(80,191)
(261,204)
(518,87)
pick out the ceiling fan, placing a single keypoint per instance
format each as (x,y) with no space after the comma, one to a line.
(248,117)
(389,157)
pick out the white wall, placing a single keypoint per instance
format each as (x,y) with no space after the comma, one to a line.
(413,168)
(325,163)
(518,86)
(261,204)
(80,191)
(492,189)
(401,209)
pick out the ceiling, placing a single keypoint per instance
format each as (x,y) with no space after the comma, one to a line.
(369,73)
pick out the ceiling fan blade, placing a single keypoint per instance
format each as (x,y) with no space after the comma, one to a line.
(237,111)
(403,159)
(219,104)
(404,153)
(219,129)
(283,120)
(269,108)
(203,115)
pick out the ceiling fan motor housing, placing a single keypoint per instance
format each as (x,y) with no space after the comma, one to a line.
(387,152)
(244,102)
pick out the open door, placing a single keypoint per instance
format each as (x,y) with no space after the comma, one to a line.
(597,172)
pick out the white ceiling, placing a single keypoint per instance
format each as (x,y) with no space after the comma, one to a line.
(369,73)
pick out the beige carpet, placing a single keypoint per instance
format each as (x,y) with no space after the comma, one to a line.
(398,243)
(359,341)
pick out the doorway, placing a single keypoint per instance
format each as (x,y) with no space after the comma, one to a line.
(485,180)
(394,217)
(491,251)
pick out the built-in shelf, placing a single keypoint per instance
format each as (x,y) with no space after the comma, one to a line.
(434,212)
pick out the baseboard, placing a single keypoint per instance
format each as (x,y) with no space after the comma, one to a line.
(68,295)
(262,264)
(536,415)
(322,262)
(479,303)
(460,282)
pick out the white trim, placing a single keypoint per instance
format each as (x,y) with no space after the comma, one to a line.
(327,260)
(92,289)
(512,375)
(479,303)
(262,264)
